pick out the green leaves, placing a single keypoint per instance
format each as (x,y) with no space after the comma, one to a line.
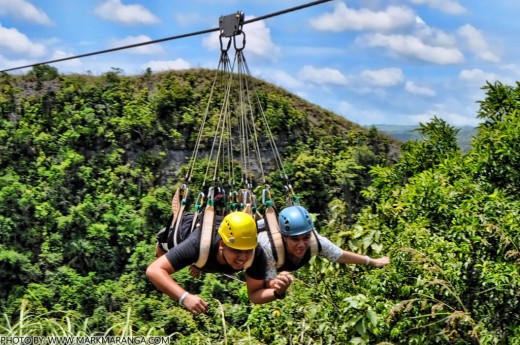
(87,177)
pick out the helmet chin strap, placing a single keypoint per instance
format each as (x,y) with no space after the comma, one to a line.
(221,251)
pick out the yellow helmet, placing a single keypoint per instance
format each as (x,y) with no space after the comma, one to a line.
(238,231)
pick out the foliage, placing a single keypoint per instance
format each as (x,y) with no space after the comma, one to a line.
(89,165)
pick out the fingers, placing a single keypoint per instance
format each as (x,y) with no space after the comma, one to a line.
(195,304)
(283,281)
(381,261)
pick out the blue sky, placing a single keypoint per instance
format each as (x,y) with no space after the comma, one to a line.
(371,61)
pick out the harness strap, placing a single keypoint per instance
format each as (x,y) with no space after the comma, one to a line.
(250,261)
(194,221)
(178,206)
(315,245)
(275,236)
(206,235)
(163,245)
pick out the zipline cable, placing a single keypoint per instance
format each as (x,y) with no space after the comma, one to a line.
(196,33)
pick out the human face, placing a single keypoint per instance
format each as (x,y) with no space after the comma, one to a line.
(236,258)
(298,245)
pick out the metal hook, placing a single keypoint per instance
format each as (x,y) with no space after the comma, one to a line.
(222,44)
(199,201)
(243,42)
(184,190)
(266,196)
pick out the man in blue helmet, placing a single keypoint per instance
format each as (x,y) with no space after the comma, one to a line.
(300,243)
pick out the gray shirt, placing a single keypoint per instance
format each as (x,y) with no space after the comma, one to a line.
(329,250)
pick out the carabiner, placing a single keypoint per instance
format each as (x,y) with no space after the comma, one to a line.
(266,197)
(199,201)
(184,190)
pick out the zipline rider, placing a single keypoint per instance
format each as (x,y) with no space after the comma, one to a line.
(300,243)
(233,249)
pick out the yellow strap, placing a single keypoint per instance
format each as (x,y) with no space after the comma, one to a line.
(276,235)
(206,235)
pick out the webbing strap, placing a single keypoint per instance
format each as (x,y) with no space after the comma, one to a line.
(247,209)
(250,261)
(315,244)
(276,235)
(176,205)
(176,233)
(194,222)
(206,235)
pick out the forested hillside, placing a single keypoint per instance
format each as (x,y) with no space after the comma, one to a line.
(89,165)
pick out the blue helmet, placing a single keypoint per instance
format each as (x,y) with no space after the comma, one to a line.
(294,221)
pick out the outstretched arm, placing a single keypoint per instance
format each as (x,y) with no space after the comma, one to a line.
(353,258)
(264,291)
(159,274)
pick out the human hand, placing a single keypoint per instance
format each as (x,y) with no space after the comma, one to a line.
(282,282)
(380,262)
(195,304)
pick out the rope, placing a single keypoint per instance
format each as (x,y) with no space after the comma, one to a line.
(196,33)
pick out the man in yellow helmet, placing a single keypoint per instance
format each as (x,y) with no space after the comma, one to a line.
(232,249)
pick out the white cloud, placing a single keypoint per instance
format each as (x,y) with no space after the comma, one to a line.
(282,79)
(367,116)
(322,75)
(23,10)
(422,117)
(344,108)
(147,49)
(413,47)
(412,87)
(186,19)
(477,75)
(63,65)
(451,118)
(258,41)
(460,120)
(448,6)
(384,77)
(477,43)
(513,72)
(116,11)
(432,36)
(18,43)
(176,64)
(6,63)
(344,18)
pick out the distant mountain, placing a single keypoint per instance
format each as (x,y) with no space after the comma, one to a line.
(407,132)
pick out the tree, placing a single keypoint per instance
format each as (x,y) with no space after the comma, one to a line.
(497,146)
